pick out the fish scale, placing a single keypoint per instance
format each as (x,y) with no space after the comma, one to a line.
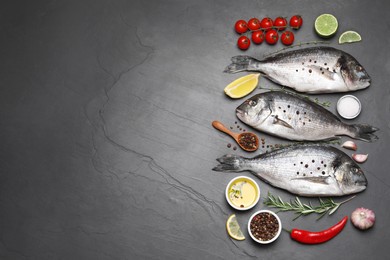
(295,118)
(307,170)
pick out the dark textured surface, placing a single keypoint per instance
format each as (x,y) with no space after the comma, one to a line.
(106,138)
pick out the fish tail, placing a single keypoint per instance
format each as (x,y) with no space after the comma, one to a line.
(242,63)
(364,132)
(230,163)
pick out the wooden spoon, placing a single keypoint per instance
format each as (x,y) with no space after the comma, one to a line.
(244,137)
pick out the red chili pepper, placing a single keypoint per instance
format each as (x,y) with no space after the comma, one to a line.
(308,237)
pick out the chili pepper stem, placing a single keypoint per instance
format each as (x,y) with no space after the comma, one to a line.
(288,231)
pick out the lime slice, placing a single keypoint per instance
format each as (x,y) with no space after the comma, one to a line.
(242,86)
(349,37)
(326,25)
(233,228)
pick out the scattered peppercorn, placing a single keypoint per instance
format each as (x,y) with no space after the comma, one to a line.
(229,145)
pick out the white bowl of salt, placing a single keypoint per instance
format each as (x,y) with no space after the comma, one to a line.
(349,106)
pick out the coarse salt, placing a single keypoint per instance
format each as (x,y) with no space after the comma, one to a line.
(348,106)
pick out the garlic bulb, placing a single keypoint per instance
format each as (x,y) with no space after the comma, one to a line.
(363,218)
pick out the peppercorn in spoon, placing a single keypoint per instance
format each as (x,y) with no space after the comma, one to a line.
(247,141)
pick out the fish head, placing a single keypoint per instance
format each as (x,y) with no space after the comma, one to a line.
(254,110)
(350,177)
(354,75)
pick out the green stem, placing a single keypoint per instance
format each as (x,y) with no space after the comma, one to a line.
(340,203)
(293,46)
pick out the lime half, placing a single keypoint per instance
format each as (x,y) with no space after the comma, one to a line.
(326,25)
(349,37)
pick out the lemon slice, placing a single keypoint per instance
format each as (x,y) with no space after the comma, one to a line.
(326,25)
(233,228)
(242,86)
(349,37)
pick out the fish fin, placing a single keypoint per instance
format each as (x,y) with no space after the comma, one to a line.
(229,163)
(330,139)
(242,63)
(281,122)
(322,70)
(343,65)
(364,132)
(319,179)
(337,162)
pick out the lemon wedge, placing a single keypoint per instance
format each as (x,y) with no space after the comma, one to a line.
(349,37)
(233,228)
(242,86)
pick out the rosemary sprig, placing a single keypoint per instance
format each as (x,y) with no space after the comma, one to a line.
(236,190)
(324,104)
(293,46)
(326,206)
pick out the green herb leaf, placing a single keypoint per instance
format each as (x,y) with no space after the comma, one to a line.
(325,205)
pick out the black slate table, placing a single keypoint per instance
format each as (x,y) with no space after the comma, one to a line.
(106,138)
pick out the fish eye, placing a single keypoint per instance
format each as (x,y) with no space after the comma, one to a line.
(252,103)
(359,68)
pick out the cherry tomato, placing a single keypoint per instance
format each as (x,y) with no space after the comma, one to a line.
(280,23)
(243,43)
(271,37)
(296,22)
(257,37)
(287,38)
(241,26)
(253,24)
(266,23)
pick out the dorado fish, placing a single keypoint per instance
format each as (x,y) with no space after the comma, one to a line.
(306,170)
(295,118)
(310,70)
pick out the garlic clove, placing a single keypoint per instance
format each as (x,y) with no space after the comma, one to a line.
(360,158)
(363,218)
(349,145)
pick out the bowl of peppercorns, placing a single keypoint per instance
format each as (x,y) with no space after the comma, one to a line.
(264,226)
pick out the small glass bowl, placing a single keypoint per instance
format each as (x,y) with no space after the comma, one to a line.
(249,180)
(348,101)
(277,233)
